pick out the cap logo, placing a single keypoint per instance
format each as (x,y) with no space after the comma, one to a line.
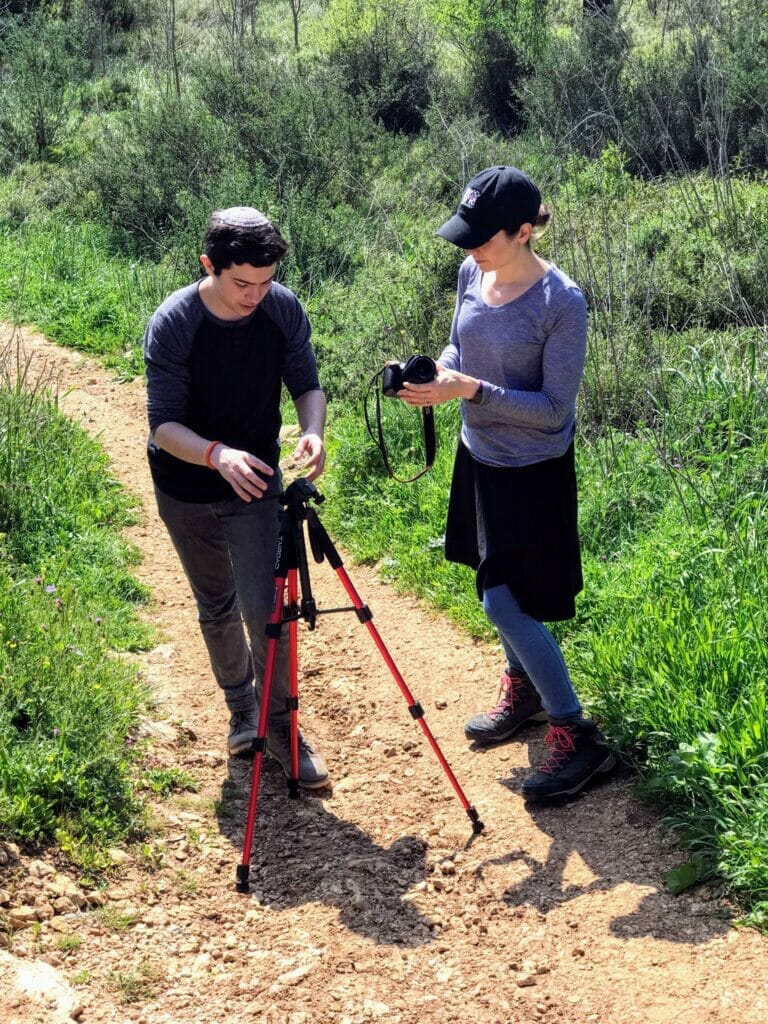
(470,197)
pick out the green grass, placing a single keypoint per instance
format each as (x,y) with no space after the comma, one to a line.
(164,781)
(68,706)
(63,278)
(137,984)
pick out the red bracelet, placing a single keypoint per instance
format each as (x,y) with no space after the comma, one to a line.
(209,452)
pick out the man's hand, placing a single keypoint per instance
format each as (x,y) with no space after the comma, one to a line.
(310,453)
(242,471)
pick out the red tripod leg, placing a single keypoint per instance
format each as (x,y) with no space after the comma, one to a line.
(293,681)
(274,628)
(417,712)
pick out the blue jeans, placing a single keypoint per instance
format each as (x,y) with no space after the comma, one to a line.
(227,550)
(530,646)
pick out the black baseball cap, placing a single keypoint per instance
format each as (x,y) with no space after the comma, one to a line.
(496,198)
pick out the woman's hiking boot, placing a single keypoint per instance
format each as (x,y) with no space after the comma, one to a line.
(578,753)
(518,704)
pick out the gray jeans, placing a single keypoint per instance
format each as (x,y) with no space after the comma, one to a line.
(228,550)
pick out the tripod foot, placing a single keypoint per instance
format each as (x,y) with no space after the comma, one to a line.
(477,825)
(242,878)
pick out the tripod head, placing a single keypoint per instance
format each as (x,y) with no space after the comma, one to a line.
(299,493)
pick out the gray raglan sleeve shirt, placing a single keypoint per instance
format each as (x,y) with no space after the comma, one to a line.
(529,355)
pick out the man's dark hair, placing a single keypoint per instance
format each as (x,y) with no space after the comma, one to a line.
(242,235)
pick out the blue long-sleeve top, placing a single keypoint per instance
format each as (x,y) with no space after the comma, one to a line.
(529,354)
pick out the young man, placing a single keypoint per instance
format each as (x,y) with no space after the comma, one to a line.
(217,354)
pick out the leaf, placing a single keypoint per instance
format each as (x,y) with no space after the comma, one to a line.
(682,878)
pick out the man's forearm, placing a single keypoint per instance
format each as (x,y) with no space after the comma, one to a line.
(311,410)
(185,444)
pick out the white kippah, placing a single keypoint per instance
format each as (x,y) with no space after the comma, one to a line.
(240,217)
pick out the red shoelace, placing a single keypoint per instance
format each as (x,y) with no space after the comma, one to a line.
(560,738)
(508,690)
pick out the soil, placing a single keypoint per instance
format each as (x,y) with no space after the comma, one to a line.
(373,900)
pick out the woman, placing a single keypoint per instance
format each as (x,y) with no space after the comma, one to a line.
(516,358)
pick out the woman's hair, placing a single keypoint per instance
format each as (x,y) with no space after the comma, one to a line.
(543,220)
(236,239)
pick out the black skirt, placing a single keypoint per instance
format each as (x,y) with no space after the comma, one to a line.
(518,526)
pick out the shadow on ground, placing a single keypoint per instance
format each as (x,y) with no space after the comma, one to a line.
(303,854)
(611,842)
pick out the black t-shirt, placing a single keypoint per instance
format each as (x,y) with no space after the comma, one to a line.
(223,379)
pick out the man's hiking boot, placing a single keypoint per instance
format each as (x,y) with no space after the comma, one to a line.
(243,729)
(313,773)
(578,754)
(518,704)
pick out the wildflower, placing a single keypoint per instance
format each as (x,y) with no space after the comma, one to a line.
(50,588)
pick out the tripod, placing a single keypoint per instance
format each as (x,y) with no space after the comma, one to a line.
(291,568)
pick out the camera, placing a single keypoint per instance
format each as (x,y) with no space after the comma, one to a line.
(416,370)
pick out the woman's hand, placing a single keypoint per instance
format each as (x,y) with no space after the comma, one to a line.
(242,471)
(447,385)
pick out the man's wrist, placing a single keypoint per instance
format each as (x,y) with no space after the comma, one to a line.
(208,458)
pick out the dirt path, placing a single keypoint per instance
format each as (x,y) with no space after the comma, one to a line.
(370,903)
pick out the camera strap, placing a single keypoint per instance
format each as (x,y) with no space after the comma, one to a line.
(377,436)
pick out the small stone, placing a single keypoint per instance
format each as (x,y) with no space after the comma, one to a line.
(526,980)
(22,917)
(374,1008)
(43,909)
(119,857)
(39,869)
(296,975)
(57,924)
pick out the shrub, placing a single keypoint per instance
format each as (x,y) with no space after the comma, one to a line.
(385,54)
(143,163)
(43,61)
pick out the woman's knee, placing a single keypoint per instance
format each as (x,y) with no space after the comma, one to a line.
(499,604)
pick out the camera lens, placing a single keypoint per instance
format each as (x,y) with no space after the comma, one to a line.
(420,370)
